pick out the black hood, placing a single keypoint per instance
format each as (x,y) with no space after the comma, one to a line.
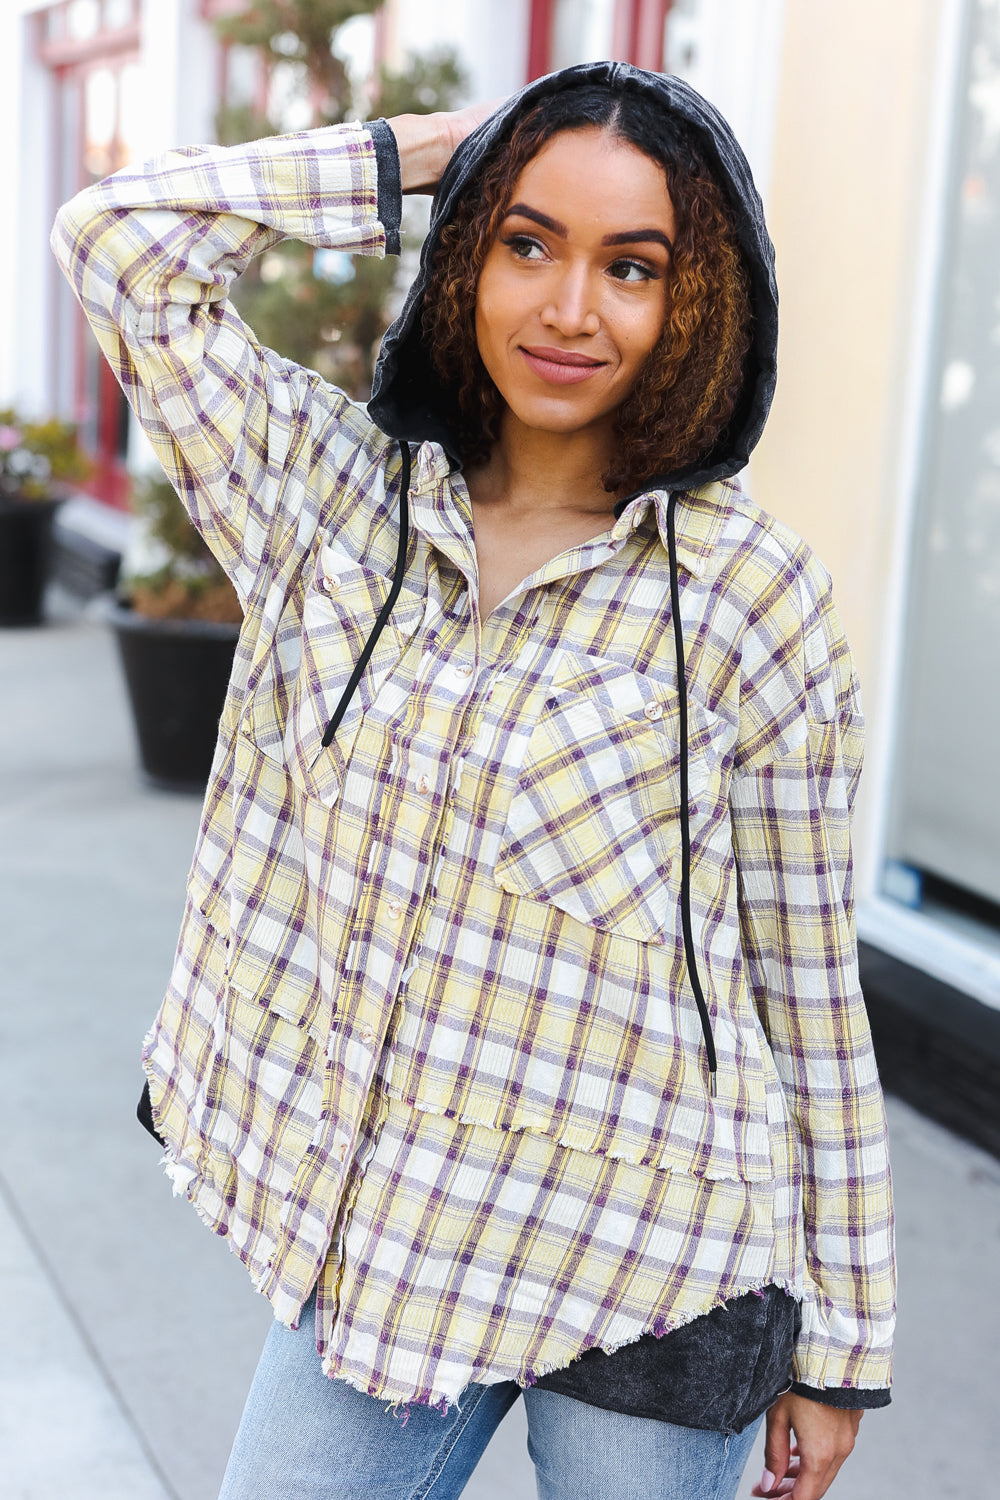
(407,400)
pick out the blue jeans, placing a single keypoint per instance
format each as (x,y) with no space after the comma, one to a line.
(306,1437)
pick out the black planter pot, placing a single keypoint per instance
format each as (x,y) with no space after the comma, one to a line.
(25,550)
(177,672)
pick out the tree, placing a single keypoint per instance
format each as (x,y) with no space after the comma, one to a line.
(322,309)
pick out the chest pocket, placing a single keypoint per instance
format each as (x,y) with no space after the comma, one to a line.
(594,823)
(340,606)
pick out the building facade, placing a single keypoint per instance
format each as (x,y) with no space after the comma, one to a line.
(874,134)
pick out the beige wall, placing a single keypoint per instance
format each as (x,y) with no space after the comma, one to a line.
(847,203)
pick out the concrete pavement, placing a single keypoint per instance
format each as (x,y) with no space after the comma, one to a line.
(128,1335)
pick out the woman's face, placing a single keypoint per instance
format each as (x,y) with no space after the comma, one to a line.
(573,293)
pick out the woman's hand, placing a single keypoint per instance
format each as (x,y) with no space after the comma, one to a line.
(824,1435)
(426,142)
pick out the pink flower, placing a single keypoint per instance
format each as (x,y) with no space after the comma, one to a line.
(10,438)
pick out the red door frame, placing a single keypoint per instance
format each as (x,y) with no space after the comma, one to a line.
(540,37)
(96,393)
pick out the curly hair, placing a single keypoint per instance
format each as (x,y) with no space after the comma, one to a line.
(689,385)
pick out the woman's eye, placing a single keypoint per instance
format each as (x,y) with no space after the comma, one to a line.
(524,247)
(631,270)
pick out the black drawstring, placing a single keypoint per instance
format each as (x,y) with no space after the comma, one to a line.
(386,610)
(689,953)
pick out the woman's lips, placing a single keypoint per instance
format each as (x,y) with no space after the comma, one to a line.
(560,366)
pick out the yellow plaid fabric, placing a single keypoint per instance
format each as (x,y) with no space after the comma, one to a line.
(429,1037)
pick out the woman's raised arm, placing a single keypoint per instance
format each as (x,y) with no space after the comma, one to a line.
(151,253)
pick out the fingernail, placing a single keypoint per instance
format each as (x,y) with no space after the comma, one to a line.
(767,1480)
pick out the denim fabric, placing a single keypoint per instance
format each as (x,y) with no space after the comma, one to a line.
(719,1372)
(305,1437)
(390,190)
(583,1452)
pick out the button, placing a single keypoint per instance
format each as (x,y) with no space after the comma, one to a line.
(332,583)
(342,1151)
(245,728)
(653,710)
(395,910)
(423,784)
(464,669)
(367,1035)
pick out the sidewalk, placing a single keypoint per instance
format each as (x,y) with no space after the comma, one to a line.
(128,1334)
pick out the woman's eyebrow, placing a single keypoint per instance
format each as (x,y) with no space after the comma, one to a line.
(637,237)
(538,218)
(625,237)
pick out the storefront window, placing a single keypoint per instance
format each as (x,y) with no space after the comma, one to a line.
(682,37)
(563,32)
(83,19)
(582,31)
(945,842)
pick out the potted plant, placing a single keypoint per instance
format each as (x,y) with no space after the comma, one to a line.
(177,622)
(38,460)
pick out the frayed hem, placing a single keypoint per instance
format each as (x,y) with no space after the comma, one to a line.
(205,1199)
(398,1402)
(398,1407)
(658,1328)
(679,1165)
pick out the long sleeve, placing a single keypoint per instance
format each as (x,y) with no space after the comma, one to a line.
(797,769)
(151,253)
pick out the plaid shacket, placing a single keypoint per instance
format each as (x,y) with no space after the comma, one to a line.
(430,1037)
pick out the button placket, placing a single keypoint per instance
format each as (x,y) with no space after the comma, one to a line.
(423,764)
(458,766)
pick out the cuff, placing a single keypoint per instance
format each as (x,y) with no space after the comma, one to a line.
(845,1398)
(390,183)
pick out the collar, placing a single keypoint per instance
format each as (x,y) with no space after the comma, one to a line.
(701,517)
(701,513)
(431,467)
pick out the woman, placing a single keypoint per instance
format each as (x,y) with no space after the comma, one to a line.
(514,1031)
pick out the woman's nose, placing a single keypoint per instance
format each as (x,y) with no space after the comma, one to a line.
(572,304)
